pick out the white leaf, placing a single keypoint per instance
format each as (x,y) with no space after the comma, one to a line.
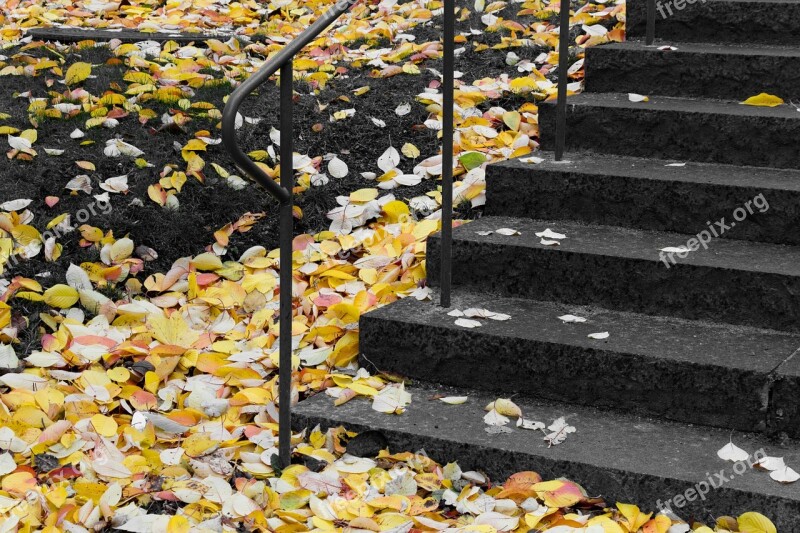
(675,250)
(675,165)
(454,400)
(560,429)
(19,143)
(80,183)
(598,336)
(378,122)
(116,184)
(7,464)
(337,168)
(529,424)
(493,418)
(731,452)
(23,381)
(507,231)
(633,97)
(667,48)
(771,463)
(172,456)
(77,134)
(53,151)
(389,159)
(403,110)
(456,313)
(391,399)
(785,475)
(8,358)
(545,242)
(467,323)
(532,159)
(499,521)
(550,234)
(15,205)
(571,318)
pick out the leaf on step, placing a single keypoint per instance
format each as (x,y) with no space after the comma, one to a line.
(731,452)
(571,318)
(550,234)
(599,336)
(785,475)
(467,323)
(633,97)
(764,100)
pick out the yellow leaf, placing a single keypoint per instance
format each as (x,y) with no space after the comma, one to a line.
(77,73)
(755,523)
(410,151)
(764,100)
(85,165)
(178,524)
(61,296)
(104,425)
(363,195)
(395,211)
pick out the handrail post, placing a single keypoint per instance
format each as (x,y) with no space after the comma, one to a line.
(448,88)
(286,236)
(563,80)
(651,22)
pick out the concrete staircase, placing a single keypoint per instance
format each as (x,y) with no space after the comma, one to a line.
(700,350)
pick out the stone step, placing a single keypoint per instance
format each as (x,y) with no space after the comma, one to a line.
(621,457)
(734,72)
(721,21)
(714,131)
(732,281)
(689,371)
(649,194)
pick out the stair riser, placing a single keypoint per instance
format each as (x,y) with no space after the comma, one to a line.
(682,391)
(633,202)
(706,75)
(706,137)
(614,484)
(720,21)
(757,299)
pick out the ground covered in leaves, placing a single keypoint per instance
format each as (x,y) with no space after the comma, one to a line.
(138,361)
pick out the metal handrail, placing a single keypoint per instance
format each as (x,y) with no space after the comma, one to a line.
(563,68)
(283,192)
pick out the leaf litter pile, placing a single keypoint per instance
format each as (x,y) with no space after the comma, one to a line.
(138,334)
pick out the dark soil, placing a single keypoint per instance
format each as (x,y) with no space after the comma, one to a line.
(206,207)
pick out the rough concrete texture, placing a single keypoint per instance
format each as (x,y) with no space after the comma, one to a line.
(619,456)
(647,194)
(736,282)
(734,72)
(721,21)
(678,128)
(682,370)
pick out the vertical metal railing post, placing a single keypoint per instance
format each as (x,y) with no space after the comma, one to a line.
(283,192)
(651,22)
(563,80)
(286,230)
(448,96)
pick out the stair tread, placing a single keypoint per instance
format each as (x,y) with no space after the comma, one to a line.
(636,244)
(682,105)
(753,49)
(667,338)
(601,164)
(639,451)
